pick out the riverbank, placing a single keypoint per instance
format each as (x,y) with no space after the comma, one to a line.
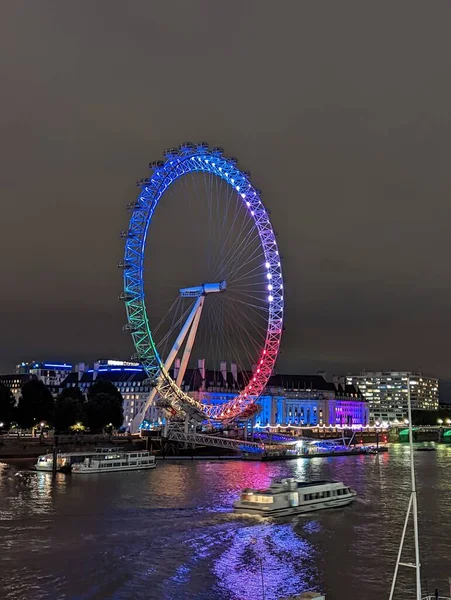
(30,447)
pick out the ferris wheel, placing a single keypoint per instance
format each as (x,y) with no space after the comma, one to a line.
(211,288)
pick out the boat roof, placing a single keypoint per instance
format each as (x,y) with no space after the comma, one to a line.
(279,485)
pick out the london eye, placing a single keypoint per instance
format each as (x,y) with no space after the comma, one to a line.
(202,281)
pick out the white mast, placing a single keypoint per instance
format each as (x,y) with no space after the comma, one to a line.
(412,508)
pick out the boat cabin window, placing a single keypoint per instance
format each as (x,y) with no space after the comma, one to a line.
(132,455)
(258,498)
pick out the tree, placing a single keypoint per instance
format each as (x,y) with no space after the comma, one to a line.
(69,408)
(104,406)
(36,404)
(102,386)
(8,409)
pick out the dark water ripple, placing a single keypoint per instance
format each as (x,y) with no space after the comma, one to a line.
(168,533)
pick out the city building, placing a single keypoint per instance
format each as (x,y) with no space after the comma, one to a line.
(15,382)
(50,373)
(387,393)
(289,400)
(296,400)
(128,377)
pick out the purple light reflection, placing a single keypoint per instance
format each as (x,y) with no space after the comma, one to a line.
(286,560)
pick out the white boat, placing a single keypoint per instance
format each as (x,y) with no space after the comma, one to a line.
(291,497)
(65,460)
(115,461)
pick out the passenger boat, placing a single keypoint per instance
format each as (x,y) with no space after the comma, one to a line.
(65,460)
(115,461)
(291,497)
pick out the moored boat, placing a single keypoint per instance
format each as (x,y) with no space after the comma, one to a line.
(65,460)
(291,497)
(115,461)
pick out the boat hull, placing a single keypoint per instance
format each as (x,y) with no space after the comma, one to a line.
(82,470)
(46,468)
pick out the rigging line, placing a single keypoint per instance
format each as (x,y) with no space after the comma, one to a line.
(260,320)
(157,327)
(170,332)
(254,332)
(240,317)
(245,244)
(255,269)
(253,306)
(252,296)
(230,335)
(260,326)
(222,346)
(207,332)
(237,246)
(206,178)
(201,200)
(216,335)
(239,342)
(251,239)
(210,195)
(260,295)
(249,275)
(248,285)
(246,224)
(222,231)
(162,345)
(254,255)
(238,207)
(217,230)
(230,195)
(239,249)
(230,343)
(235,321)
(226,193)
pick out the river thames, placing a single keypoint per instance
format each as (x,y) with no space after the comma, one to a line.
(168,533)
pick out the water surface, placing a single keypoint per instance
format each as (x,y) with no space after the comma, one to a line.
(168,533)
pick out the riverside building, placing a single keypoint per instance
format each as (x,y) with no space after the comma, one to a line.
(289,400)
(387,393)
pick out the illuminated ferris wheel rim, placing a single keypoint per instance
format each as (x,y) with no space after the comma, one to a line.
(191,158)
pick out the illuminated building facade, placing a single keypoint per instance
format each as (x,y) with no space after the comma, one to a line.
(50,373)
(128,377)
(296,400)
(387,393)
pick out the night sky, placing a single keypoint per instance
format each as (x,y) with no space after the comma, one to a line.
(341,111)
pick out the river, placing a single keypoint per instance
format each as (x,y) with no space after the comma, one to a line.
(168,533)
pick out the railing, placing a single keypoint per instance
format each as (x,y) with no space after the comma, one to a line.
(215,441)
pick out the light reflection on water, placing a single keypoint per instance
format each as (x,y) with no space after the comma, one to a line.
(168,533)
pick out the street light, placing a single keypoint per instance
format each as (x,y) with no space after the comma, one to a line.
(448,421)
(439,421)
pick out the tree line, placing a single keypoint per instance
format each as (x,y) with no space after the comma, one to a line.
(101,408)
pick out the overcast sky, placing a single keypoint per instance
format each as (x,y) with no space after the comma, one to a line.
(340,109)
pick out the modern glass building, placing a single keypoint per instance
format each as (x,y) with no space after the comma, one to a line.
(387,393)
